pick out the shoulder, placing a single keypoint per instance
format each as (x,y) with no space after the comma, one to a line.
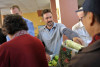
(76,26)
(4,45)
(36,41)
(27,21)
(42,29)
(59,24)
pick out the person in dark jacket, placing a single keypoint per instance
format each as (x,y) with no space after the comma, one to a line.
(90,56)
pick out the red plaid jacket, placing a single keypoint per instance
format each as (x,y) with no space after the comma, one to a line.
(95,38)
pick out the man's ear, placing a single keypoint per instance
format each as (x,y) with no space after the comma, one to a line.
(91,18)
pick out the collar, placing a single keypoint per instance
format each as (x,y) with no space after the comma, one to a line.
(23,17)
(95,38)
(22,32)
(80,24)
(54,26)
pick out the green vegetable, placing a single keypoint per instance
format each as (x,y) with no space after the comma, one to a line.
(54,61)
(74,45)
(56,57)
(49,64)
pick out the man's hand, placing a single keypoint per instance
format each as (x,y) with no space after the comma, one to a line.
(48,57)
(78,40)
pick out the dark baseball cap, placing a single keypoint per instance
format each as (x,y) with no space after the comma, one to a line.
(92,6)
(80,9)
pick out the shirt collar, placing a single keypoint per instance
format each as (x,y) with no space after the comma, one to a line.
(95,38)
(19,33)
(23,18)
(81,25)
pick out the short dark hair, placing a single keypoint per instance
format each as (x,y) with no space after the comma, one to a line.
(46,11)
(13,23)
(15,6)
(96,16)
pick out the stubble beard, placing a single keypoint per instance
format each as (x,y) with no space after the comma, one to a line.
(50,24)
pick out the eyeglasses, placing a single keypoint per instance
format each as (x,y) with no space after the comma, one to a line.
(81,18)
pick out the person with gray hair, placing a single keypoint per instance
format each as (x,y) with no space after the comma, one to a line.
(80,29)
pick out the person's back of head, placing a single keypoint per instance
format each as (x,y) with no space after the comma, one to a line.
(13,23)
(92,6)
(91,19)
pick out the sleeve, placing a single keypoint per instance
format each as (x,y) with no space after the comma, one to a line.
(30,28)
(7,38)
(69,33)
(62,26)
(4,57)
